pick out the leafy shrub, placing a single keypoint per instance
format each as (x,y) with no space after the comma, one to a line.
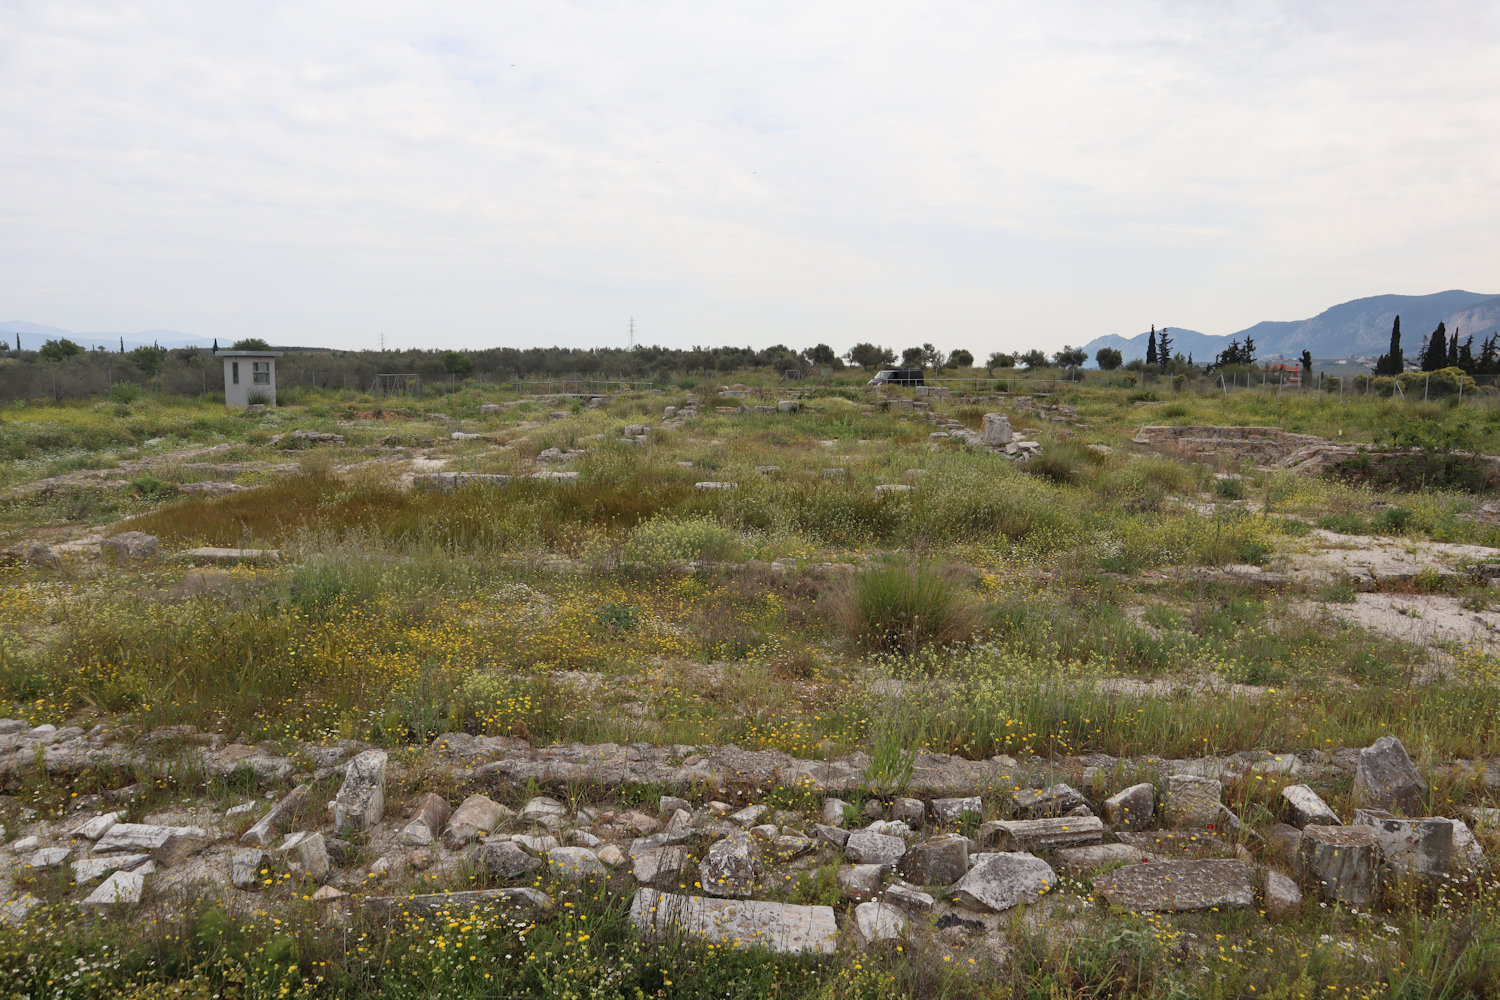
(1229,488)
(663,540)
(1064,463)
(902,607)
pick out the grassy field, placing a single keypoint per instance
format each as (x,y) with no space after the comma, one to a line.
(1074,604)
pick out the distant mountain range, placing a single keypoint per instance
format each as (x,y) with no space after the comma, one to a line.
(33,335)
(1353,329)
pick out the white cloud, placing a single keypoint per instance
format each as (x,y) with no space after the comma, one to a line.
(995,175)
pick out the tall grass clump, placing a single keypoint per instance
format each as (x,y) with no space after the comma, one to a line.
(903,607)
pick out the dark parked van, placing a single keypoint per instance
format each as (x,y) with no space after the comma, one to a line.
(897,376)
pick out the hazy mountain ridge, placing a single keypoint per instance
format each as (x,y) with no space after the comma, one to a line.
(1356,328)
(33,335)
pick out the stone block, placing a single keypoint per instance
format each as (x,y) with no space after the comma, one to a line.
(1344,861)
(778,927)
(1178,886)
(1004,880)
(1386,778)
(1131,808)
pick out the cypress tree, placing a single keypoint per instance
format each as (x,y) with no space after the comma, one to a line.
(1436,354)
(1392,363)
(1163,349)
(1151,346)
(1452,349)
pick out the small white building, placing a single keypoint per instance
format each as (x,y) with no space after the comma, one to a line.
(249,377)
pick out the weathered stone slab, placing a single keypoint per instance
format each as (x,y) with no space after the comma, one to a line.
(940,861)
(731,867)
(951,810)
(1178,885)
(1343,860)
(1131,808)
(575,863)
(271,825)
(875,921)
(833,812)
(142,836)
(217,556)
(861,881)
(247,868)
(505,861)
(1419,846)
(779,927)
(17,910)
(1077,859)
(120,889)
(1192,801)
(541,807)
(666,868)
(360,803)
(1386,778)
(1041,834)
(995,431)
(867,847)
(1001,881)
(1304,807)
(130,546)
(1283,898)
(88,869)
(48,857)
(909,898)
(532,902)
(306,852)
(474,815)
(667,838)
(98,826)
(1038,803)
(427,821)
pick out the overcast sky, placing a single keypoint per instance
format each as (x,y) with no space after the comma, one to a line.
(988,175)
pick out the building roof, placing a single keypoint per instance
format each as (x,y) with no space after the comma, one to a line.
(248,354)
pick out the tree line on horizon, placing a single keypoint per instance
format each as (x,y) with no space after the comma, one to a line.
(1441,350)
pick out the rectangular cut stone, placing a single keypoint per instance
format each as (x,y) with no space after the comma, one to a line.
(1076,859)
(1343,860)
(1036,803)
(1193,802)
(1304,807)
(1420,846)
(1385,777)
(120,889)
(1041,834)
(142,837)
(88,869)
(742,923)
(272,823)
(1178,885)
(528,900)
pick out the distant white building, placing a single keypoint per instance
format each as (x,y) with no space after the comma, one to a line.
(249,377)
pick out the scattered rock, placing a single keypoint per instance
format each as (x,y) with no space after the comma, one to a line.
(1283,898)
(1001,881)
(874,922)
(663,868)
(731,867)
(1343,860)
(476,814)
(246,868)
(1193,802)
(860,881)
(1304,807)
(427,821)
(360,803)
(940,861)
(1132,808)
(1386,778)
(575,863)
(142,836)
(270,826)
(306,853)
(909,898)
(505,861)
(866,847)
(120,889)
(130,546)
(1037,803)
(951,810)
